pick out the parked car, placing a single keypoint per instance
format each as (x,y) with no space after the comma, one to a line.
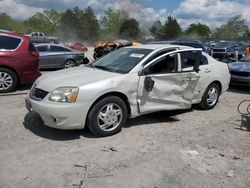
(18,61)
(222,48)
(77,46)
(54,56)
(39,37)
(104,47)
(128,82)
(234,54)
(240,71)
(191,43)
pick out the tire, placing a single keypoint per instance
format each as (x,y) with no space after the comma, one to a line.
(210,97)
(8,80)
(69,63)
(107,116)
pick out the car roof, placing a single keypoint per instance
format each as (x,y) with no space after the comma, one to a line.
(12,34)
(160,46)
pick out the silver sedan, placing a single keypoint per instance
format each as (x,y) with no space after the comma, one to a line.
(54,56)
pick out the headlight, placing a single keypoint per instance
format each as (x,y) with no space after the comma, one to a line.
(64,94)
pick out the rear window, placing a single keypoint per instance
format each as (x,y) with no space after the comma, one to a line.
(32,48)
(42,48)
(9,43)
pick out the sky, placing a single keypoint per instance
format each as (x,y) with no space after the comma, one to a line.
(210,12)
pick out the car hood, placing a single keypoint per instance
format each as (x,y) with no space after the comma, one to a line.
(73,77)
(240,66)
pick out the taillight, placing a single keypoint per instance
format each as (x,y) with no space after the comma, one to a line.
(35,53)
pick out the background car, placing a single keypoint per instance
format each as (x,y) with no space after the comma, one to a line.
(221,48)
(18,61)
(240,71)
(128,82)
(53,56)
(77,46)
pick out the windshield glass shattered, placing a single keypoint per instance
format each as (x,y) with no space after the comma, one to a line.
(122,60)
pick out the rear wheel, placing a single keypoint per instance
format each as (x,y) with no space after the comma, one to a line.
(210,97)
(8,80)
(107,116)
(69,64)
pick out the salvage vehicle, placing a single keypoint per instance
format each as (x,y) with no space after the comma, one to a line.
(77,46)
(18,61)
(240,71)
(104,47)
(54,56)
(128,82)
(39,37)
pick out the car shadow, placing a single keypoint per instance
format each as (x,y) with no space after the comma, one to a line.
(157,117)
(239,89)
(34,123)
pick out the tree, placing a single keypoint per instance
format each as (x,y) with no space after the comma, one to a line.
(90,24)
(46,21)
(7,23)
(130,29)
(198,30)
(236,27)
(170,30)
(112,21)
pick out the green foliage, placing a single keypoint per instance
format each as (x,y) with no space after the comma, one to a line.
(130,29)
(170,30)
(46,21)
(112,22)
(198,30)
(7,23)
(236,27)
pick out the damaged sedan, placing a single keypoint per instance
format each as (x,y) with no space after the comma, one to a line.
(127,83)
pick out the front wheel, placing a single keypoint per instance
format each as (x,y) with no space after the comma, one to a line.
(8,80)
(107,116)
(210,97)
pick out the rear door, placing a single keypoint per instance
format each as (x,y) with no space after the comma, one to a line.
(58,56)
(168,82)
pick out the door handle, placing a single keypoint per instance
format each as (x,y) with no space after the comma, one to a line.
(207,70)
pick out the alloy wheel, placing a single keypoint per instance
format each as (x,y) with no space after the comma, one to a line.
(6,81)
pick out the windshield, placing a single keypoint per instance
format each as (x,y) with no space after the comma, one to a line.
(245,58)
(122,60)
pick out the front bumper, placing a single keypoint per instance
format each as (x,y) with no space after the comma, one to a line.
(240,80)
(59,115)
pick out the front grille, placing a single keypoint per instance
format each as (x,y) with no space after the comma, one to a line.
(38,94)
(246,74)
(219,50)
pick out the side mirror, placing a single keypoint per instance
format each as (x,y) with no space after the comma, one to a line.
(149,84)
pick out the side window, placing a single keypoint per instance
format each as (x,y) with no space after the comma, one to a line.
(9,43)
(204,60)
(42,48)
(167,64)
(40,35)
(189,60)
(34,35)
(57,49)
(158,54)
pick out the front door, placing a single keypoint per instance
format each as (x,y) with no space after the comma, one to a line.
(166,84)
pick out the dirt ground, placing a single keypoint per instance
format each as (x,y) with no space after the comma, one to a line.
(191,148)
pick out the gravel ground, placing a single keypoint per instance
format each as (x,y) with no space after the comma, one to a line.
(191,148)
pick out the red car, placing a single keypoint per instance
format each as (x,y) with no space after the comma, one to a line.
(19,61)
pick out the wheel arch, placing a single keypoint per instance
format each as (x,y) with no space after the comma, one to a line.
(13,70)
(113,93)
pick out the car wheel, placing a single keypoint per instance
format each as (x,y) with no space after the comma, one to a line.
(8,80)
(210,97)
(69,64)
(107,116)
